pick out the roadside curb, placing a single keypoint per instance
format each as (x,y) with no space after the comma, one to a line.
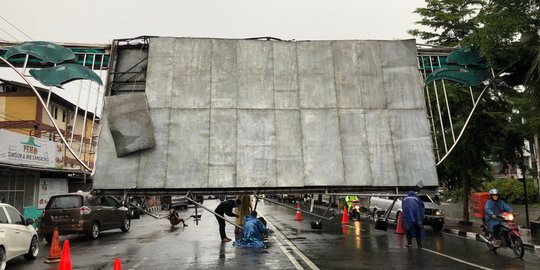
(473,235)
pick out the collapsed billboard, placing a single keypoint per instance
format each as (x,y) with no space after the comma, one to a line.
(240,114)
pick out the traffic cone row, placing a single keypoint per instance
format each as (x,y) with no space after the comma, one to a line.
(298,213)
(65,257)
(399,229)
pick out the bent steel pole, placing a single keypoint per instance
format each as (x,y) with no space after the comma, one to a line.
(48,114)
(142,209)
(217,215)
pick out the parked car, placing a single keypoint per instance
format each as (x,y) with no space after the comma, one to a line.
(83,213)
(433,214)
(176,202)
(227,197)
(17,236)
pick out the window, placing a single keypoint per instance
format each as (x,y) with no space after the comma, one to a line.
(64,116)
(54,111)
(14,215)
(64,202)
(3,217)
(111,202)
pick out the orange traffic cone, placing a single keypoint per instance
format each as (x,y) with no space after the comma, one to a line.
(54,252)
(345,218)
(117,264)
(298,213)
(65,262)
(399,229)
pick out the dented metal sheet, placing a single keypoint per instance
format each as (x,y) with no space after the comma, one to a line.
(273,114)
(129,123)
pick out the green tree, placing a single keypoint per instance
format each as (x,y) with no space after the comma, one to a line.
(496,131)
(448,21)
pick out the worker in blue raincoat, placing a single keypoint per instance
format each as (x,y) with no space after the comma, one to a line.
(413,219)
(252,233)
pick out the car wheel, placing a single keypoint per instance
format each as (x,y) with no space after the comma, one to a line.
(33,250)
(437,228)
(127,225)
(2,258)
(94,230)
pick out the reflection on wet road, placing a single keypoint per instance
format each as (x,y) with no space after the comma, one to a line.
(152,244)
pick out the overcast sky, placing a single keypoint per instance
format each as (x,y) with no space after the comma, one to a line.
(101,21)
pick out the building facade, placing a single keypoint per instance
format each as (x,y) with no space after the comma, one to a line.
(34,162)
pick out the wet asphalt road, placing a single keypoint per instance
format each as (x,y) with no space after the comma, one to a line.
(151,244)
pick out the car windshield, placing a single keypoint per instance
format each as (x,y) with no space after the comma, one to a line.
(424,198)
(63,202)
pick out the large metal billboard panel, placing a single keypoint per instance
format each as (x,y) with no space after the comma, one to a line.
(114,172)
(270,114)
(289,153)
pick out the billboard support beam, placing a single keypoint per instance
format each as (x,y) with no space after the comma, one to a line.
(294,208)
(217,215)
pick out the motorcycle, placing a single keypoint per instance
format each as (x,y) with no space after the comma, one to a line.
(354,213)
(508,234)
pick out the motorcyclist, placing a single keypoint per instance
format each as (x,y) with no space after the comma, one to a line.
(493,208)
(349,200)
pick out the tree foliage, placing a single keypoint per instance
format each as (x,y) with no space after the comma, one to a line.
(449,21)
(506,34)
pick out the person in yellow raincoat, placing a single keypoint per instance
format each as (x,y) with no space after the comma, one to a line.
(349,200)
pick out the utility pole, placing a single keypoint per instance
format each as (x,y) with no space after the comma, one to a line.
(524,180)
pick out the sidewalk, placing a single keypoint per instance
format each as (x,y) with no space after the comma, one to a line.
(452,226)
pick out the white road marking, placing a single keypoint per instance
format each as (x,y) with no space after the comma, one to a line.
(293,247)
(458,260)
(138,264)
(291,258)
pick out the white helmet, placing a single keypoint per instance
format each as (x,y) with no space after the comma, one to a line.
(493,191)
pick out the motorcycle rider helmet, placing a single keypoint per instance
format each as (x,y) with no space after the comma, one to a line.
(493,192)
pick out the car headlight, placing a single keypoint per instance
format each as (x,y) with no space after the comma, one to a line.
(439,212)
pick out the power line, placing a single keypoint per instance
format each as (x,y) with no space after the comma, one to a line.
(8,34)
(15,27)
